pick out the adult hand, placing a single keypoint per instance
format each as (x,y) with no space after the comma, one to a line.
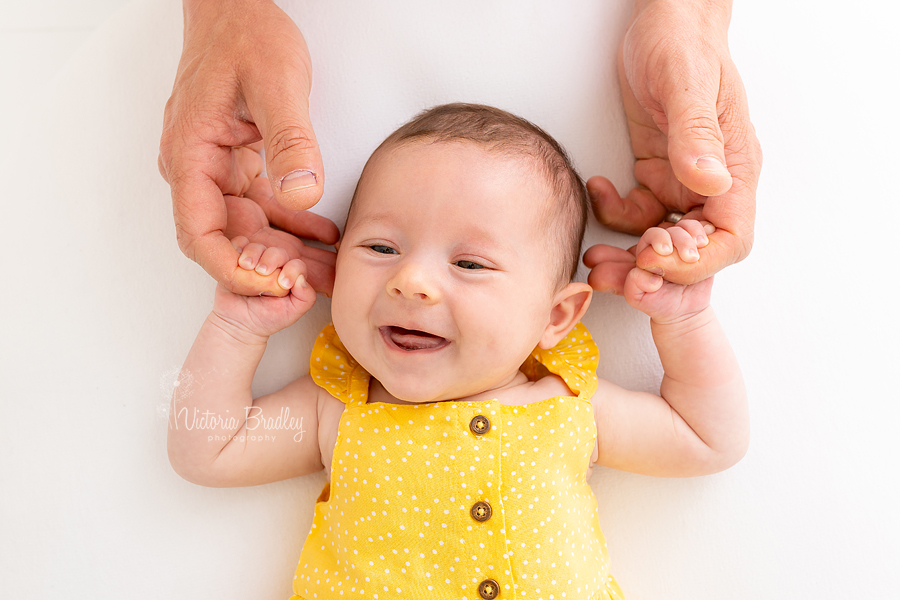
(257,216)
(696,150)
(244,76)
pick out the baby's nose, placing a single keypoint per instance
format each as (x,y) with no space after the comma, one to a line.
(414,281)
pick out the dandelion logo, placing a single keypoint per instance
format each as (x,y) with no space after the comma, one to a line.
(172,380)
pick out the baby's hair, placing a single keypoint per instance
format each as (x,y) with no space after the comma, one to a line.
(495,130)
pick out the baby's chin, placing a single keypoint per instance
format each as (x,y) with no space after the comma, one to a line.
(409,393)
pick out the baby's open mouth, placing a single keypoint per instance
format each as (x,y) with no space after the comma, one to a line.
(412,339)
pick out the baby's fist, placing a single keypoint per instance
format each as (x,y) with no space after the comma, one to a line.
(646,290)
(265,315)
(685,237)
(266,262)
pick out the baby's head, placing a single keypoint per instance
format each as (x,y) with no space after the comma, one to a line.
(462,238)
(500,133)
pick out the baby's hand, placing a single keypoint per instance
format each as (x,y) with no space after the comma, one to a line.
(684,237)
(268,313)
(663,301)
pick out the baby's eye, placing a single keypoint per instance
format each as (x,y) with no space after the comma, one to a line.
(381,249)
(468,264)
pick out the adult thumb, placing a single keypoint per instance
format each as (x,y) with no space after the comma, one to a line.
(293,160)
(696,145)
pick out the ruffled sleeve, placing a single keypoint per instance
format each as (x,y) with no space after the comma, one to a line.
(334,370)
(574,358)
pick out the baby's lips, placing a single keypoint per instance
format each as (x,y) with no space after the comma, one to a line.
(251,283)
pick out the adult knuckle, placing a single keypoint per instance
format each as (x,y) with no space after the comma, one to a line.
(702,126)
(756,151)
(746,245)
(290,138)
(742,143)
(186,241)
(166,144)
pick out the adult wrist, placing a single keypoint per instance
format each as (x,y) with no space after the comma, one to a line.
(708,15)
(703,5)
(200,12)
(685,19)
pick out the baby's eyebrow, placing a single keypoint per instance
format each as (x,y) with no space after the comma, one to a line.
(476,234)
(489,238)
(376,218)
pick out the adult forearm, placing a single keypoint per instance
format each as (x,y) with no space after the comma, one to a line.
(195,8)
(209,405)
(688,17)
(708,6)
(704,385)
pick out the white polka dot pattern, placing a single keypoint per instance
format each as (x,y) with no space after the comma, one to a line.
(396,519)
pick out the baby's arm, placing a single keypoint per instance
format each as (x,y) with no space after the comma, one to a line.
(218,434)
(698,424)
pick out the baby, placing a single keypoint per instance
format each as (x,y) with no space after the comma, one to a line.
(454,402)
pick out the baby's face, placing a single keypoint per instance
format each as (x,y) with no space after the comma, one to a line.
(445,277)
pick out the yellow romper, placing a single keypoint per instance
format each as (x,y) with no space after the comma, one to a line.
(459,500)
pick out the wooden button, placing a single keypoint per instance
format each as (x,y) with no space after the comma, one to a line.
(481,511)
(489,589)
(480,425)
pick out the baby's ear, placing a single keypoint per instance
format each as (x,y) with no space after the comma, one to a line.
(569,306)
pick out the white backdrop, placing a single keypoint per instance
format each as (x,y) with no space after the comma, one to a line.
(99,307)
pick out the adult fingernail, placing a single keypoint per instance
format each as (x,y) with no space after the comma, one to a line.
(298,180)
(710,163)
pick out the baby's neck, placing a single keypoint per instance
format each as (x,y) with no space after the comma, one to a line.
(518,392)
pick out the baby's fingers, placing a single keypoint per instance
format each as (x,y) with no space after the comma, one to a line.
(685,244)
(293,275)
(657,238)
(293,278)
(609,267)
(256,257)
(250,255)
(682,238)
(640,282)
(238,242)
(272,258)
(244,277)
(699,230)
